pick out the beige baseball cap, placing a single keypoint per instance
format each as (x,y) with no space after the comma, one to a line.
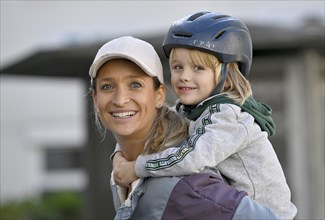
(138,51)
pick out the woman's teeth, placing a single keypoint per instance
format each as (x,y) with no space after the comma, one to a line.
(123,114)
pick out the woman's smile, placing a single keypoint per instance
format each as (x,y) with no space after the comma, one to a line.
(123,114)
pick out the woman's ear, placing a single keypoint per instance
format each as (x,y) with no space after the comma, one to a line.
(161,96)
(94,97)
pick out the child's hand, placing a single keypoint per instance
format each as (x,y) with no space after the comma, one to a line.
(123,170)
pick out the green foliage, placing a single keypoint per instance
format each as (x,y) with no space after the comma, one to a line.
(62,205)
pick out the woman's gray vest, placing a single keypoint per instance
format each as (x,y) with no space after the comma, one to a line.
(199,196)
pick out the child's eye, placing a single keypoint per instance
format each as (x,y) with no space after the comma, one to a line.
(198,67)
(177,67)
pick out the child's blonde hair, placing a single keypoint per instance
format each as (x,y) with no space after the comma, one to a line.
(236,86)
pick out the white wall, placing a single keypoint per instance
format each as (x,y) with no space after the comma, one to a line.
(37,113)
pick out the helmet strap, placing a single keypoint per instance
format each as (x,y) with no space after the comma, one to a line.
(224,71)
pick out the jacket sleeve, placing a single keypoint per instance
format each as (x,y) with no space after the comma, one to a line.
(216,136)
(249,209)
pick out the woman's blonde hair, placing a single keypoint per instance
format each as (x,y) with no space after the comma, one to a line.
(169,129)
(236,86)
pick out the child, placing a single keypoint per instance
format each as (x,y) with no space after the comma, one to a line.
(210,56)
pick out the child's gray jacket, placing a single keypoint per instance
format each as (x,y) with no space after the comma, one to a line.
(234,139)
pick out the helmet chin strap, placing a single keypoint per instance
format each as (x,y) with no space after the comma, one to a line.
(224,70)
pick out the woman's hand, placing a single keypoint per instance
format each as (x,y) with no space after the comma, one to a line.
(123,170)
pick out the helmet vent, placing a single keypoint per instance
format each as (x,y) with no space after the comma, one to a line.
(185,35)
(195,16)
(219,35)
(220,16)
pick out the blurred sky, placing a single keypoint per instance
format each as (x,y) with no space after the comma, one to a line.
(27,26)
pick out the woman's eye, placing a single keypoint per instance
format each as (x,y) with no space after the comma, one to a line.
(135,85)
(106,87)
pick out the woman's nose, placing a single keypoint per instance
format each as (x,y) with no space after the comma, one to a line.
(121,97)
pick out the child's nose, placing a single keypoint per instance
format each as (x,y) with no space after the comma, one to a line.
(185,75)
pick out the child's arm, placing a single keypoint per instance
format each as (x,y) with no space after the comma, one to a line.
(217,136)
(123,170)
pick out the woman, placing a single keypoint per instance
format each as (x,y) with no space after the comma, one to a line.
(129,99)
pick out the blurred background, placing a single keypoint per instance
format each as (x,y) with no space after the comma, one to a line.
(53,162)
